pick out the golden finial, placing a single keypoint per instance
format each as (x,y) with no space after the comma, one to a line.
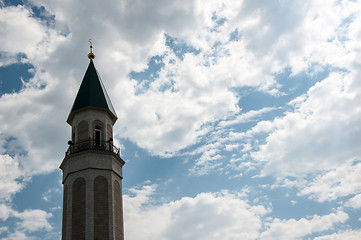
(91,55)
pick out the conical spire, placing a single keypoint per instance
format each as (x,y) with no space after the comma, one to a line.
(92,93)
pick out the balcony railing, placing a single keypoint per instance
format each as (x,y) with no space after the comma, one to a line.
(92,144)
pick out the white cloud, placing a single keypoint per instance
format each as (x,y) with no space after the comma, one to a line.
(170,120)
(30,127)
(27,222)
(203,83)
(23,34)
(320,134)
(342,235)
(12,181)
(18,235)
(50,194)
(354,202)
(32,119)
(207,215)
(10,173)
(5,211)
(214,216)
(296,229)
(246,117)
(209,160)
(20,33)
(342,181)
(175,118)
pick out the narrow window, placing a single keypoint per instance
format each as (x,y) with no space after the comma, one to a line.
(97,136)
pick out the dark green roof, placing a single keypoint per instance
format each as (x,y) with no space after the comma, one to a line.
(92,93)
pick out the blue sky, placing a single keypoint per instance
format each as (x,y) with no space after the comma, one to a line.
(237,119)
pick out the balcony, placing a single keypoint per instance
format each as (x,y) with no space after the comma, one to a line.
(92,144)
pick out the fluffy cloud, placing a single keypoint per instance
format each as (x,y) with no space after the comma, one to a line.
(342,235)
(321,132)
(5,212)
(27,222)
(30,127)
(342,181)
(191,91)
(354,202)
(18,23)
(175,118)
(35,127)
(296,229)
(245,117)
(316,136)
(19,236)
(9,177)
(207,215)
(49,195)
(214,216)
(201,85)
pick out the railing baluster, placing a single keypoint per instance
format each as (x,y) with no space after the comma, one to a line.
(90,144)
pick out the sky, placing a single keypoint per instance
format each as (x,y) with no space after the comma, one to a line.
(237,119)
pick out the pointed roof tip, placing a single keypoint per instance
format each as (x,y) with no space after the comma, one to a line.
(92,94)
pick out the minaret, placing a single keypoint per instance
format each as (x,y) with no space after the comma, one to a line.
(92,167)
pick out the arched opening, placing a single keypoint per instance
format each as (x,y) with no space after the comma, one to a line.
(83,131)
(97,135)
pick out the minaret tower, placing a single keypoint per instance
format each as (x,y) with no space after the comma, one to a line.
(92,167)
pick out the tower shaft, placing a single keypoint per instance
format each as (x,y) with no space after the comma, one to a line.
(92,201)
